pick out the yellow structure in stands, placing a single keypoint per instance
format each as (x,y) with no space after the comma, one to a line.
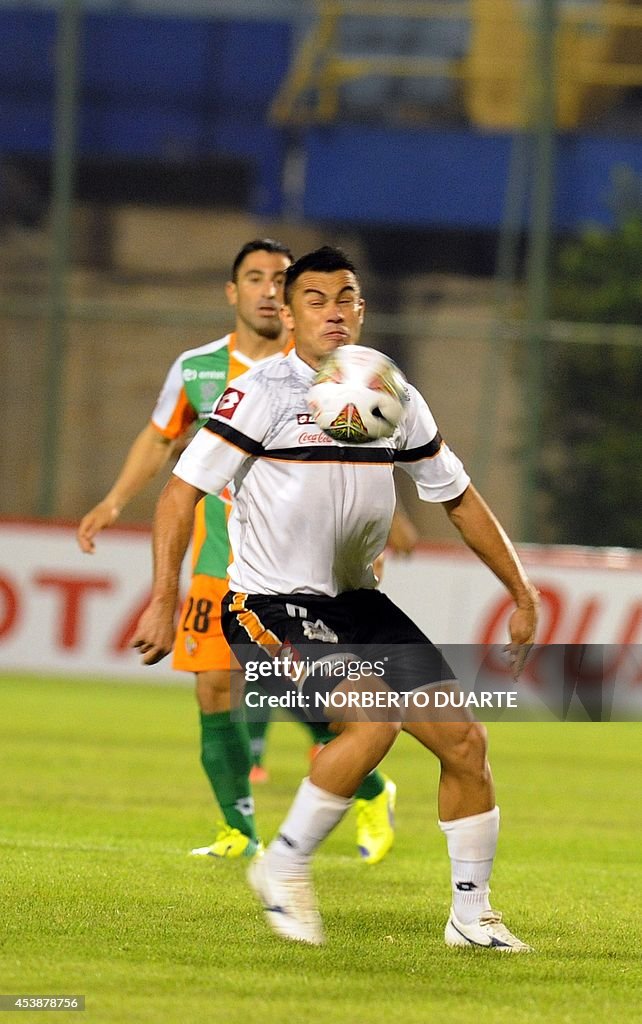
(598,56)
(598,45)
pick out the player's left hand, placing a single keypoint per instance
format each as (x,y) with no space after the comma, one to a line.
(522,626)
(154,635)
(403,537)
(402,540)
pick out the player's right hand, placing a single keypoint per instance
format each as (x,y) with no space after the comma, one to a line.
(154,634)
(98,518)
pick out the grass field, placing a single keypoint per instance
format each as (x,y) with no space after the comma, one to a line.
(101,796)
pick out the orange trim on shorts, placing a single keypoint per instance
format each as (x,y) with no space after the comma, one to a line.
(256,630)
(251,623)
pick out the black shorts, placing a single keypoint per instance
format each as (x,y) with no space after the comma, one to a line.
(308,644)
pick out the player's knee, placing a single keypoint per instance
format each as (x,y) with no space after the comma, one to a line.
(388,731)
(215,691)
(378,735)
(467,754)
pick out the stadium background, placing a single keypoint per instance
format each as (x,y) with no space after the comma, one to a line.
(142,143)
(455,149)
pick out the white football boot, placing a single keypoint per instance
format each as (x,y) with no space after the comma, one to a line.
(288,902)
(487,931)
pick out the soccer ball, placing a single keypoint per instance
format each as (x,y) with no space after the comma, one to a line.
(358,395)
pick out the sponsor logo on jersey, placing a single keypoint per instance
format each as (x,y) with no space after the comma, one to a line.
(228,403)
(304,417)
(190,374)
(319,438)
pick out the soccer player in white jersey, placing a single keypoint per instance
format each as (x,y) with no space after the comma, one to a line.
(308,519)
(195,381)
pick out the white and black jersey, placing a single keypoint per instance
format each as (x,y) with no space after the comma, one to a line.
(310,514)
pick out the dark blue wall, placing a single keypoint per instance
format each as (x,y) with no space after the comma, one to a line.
(451,178)
(187,89)
(175,89)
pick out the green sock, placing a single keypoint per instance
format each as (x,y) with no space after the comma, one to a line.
(257,732)
(372,785)
(225,756)
(320,732)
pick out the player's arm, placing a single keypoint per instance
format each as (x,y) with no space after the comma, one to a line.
(213,457)
(403,537)
(440,477)
(173,522)
(146,457)
(484,535)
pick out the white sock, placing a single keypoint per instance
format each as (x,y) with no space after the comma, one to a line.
(472,842)
(312,816)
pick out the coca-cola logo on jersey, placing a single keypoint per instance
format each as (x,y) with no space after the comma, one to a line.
(319,438)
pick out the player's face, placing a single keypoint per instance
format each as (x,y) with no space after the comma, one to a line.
(325,311)
(257,292)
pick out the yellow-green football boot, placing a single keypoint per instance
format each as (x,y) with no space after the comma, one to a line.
(376,824)
(228,844)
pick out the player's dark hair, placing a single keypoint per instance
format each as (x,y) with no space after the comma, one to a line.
(327,259)
(259,245)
